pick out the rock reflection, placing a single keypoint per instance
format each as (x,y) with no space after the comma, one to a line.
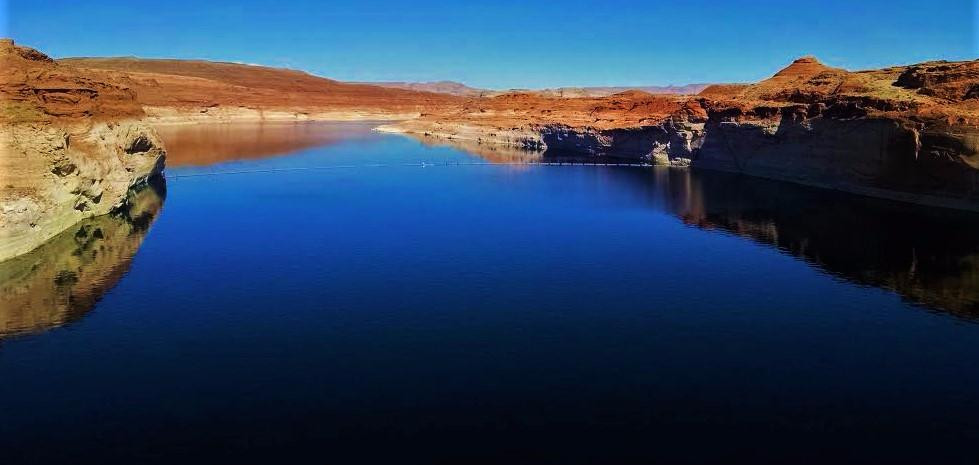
(210,143)
(493,153)
(61,281)
(928,256)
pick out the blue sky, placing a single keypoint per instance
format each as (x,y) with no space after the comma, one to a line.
(503,43)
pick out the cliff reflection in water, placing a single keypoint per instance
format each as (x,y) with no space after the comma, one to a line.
(493,153)
(206,144)
(928,256)
(62,280)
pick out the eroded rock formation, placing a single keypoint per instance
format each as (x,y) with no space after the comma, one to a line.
(71,148)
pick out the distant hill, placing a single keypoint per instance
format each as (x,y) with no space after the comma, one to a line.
(439,87)
(569,92)
(204,84)
(462,90)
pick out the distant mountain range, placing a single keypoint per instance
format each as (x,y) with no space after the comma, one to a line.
(439,87)
(462,90)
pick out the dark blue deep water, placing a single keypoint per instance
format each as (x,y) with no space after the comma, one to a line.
(493,313)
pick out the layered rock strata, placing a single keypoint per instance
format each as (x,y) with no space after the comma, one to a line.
(908,133)
(71,148)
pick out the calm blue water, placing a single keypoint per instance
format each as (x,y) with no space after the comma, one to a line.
(470,314)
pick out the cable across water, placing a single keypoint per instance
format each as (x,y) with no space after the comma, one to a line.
(423,164)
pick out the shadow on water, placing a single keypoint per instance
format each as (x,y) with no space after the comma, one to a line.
(61,281)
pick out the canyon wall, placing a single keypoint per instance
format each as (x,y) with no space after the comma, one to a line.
(871,132)
(71,148)
(908,133)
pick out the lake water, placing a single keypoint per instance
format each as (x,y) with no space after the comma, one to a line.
(327,296)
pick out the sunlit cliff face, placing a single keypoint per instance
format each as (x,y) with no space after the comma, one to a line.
(62,280)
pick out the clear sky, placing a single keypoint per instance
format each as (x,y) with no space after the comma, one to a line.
(504,43)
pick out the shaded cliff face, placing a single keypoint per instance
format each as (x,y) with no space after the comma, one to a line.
(62,280)
(71,148)
(910,133)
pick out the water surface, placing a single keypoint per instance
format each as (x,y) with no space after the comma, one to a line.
(337,301)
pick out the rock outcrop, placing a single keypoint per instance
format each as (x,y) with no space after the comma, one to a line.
(71,148)
(908,133)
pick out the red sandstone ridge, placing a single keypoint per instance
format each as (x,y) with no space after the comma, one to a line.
(922,93)
(803,68)
(716,91)
(200,89)
(626,109)
(956,82)
(34,87)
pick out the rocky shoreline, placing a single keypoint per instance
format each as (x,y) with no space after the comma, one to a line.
(77,139)
(905,133)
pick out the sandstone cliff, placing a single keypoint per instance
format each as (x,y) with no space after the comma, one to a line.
(628,124)
(71,148)
(909,133)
